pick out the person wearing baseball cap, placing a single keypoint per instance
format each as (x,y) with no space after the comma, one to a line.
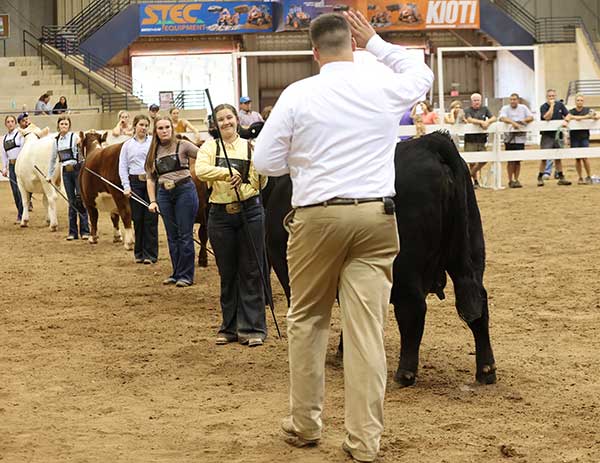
(247,116)
(153,110)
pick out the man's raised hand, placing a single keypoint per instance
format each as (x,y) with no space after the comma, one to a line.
(361,29)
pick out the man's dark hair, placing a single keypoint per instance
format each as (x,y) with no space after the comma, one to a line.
(330,33)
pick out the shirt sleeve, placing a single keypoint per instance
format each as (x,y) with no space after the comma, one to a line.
(190,150)
(528,112)
(412,78)
(488,113)
(503,112)
(124,167)
(4,154)
(53,156)
(543,110)
(564,111)
(206,170)
(274,141)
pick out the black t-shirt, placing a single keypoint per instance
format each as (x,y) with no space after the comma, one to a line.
(580,134)
(482,114)
(560,112)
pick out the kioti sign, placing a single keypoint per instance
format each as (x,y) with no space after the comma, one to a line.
(388,15)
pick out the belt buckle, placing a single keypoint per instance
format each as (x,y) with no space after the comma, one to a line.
(12,161)
(70,168)
(233,208)
(169,185)
(142,177)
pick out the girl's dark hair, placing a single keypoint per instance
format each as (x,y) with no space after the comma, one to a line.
(149,166)
(218,108)
(223,106)
(140,117)
(64,117)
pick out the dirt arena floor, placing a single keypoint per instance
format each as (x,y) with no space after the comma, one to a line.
(101,363)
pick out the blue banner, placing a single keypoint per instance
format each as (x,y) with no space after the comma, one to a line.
(205,18)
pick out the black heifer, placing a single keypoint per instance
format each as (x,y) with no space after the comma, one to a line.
(440,231)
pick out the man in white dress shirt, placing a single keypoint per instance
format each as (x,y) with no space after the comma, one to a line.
(335,134)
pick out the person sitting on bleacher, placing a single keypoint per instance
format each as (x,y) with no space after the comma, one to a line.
(42,106)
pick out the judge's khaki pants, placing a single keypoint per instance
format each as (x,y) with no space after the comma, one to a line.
(350,248)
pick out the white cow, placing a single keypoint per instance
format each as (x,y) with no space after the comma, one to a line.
(37,152)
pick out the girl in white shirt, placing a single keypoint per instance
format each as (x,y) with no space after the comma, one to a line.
(133,178)
(66,150)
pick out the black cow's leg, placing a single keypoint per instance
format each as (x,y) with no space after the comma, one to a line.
(471,298)
(486,365)
(410,310)
(203,238)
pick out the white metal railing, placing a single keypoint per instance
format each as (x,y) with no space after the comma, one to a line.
(497,154)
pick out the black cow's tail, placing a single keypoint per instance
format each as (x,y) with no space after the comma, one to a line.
(466,252)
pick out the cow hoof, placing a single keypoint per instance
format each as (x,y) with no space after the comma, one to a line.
(128,247)
(405,378)
(25,224)
(487,375)
(47,221)
(202,262)
(117,239)
(53,228)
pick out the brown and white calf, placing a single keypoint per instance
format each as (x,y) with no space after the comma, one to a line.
(99,195)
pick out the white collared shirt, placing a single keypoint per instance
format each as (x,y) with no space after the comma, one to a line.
(132,159)
(335,133)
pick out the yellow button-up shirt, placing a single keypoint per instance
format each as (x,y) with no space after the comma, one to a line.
(218,178)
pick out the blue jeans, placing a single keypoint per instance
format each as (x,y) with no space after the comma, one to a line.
(71,180)
(580,142)
(145,224)
(15,190)
(178,208)
(242,294)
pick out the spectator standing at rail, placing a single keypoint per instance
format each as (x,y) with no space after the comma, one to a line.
(133,178)
(517,115)
(123,126)
(342,189)
(581,138)
(480,115)
(61,106)
(42,105)
(247,116)
(11,146)
(455,116)
(552,110)
(168,171)
(66,149)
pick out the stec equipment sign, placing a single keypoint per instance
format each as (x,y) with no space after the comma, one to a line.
(389,15)
(205,18)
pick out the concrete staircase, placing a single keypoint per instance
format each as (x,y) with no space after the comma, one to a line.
(23,82)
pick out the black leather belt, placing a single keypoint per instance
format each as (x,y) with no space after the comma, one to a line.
(139,178)
(235,207)
(344,202)
(169,184)
(12,161)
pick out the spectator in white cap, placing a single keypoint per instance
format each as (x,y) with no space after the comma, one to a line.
(247,116)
